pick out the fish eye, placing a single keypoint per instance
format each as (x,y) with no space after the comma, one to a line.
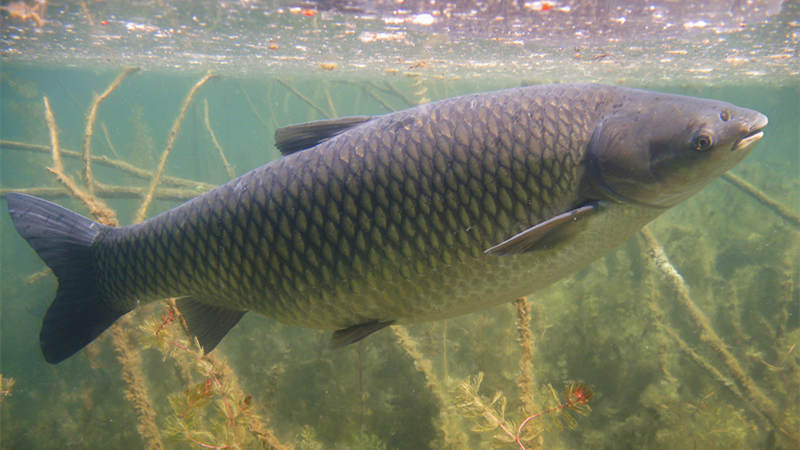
(725,115)
(703,142)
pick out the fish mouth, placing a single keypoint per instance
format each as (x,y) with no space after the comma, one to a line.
(756,132)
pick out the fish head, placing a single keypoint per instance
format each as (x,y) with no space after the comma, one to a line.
(659,149)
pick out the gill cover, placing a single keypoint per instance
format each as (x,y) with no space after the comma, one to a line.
(635,157)
(660,152)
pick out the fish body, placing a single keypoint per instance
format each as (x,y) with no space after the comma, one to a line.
(427,213)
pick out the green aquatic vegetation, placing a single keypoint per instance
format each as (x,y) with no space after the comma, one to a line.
(306,439)
(212,412)
(6,386)
(659,382)
(705,422)
(490,414)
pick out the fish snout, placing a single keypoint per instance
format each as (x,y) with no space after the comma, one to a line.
(760,122)
(751,130)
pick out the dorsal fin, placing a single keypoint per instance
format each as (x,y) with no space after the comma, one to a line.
(306,135)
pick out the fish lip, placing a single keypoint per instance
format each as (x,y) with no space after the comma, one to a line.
(756,132)
(748,140)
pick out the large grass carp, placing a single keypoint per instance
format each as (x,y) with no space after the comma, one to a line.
(427,213)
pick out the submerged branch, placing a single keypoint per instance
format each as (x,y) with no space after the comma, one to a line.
(110,162)
(173,134)
(307,100)
(105,190)
(328,98)
(762,198)
(726,382)
(377,98)
(88,178)
(707,334)
(392,89)
(97,207)
(225,162)
(252,106)
(108,140)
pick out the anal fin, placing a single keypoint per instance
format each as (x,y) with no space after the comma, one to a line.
(208,323)
(353,334)
(545,234)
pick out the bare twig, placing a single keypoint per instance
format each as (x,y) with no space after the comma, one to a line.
(54,146)
(225,162)
(108,191)
(34,277)
(307,100)
(173,134)
(108,140)
(375,96)
(85,9)
(109,162)
(762,198)
(88,178)
(252,106)
(97,207)
(392,89)
(328,98)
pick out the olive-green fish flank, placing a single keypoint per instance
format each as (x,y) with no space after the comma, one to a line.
(389,219)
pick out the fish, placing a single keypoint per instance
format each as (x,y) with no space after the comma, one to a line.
(432,212)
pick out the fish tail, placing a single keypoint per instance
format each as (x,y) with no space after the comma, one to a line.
(63,239)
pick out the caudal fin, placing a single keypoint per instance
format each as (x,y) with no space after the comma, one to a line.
(63,240)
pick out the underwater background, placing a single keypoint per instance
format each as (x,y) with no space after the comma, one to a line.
(685,337)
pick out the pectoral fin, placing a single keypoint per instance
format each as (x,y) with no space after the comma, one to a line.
(208,323)
(356,333)
(545,234)
(306,135)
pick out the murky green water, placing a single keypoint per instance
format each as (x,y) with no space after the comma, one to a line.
(619,327)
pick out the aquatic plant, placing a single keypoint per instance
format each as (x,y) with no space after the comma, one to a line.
(742,384)
(491,413)
(231,421)
(622,325)
(187,404)
(6,384)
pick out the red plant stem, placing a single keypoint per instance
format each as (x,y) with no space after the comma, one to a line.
(507,431)
(225,402)
(203,444)
(166,319)
(518,438)
(581,398)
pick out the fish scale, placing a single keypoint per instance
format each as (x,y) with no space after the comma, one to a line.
(366,205)
(428,213)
